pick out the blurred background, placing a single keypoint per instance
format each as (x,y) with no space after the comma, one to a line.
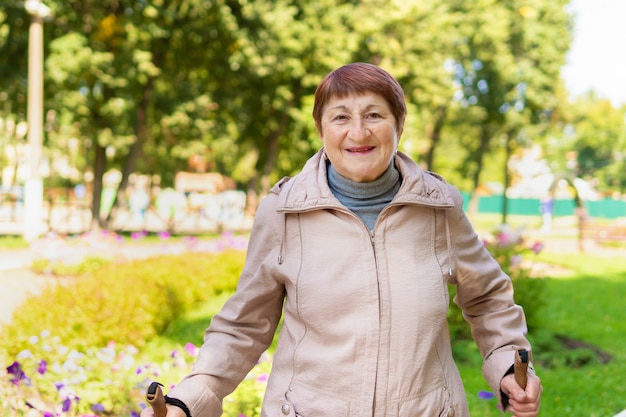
(179,115)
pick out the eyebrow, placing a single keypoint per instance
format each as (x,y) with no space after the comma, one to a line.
(343,107)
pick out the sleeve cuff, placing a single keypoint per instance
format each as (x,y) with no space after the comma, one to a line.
(178,403)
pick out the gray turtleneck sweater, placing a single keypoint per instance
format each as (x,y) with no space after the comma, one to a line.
(365,199)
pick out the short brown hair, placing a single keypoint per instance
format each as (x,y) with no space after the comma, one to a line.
(358,78)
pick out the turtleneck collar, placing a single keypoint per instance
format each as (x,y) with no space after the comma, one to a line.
(365,199)
(346,187)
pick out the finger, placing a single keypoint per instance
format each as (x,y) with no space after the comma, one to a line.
(146,412)
(512,389)
(524,409)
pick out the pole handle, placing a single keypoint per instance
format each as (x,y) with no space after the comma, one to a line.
(520,367)
(156,399)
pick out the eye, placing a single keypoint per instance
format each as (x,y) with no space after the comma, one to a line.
(374,115)
(340,117)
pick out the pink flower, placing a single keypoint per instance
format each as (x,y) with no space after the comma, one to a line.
(537,247)
(191,349)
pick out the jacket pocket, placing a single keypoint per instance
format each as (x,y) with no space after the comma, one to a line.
(310,402)
(435,403)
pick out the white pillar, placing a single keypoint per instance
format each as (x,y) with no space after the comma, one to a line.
(33,190)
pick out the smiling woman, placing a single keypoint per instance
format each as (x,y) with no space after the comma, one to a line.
(354,255)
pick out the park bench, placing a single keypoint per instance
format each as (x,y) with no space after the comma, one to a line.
(603,232)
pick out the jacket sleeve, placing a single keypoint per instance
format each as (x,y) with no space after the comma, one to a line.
(245,326)
(485,295)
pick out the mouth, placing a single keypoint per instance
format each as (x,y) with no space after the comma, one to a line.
(360,149)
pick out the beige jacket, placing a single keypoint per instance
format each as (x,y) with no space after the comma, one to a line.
(364,331)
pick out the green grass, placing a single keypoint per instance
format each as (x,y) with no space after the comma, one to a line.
(587,306)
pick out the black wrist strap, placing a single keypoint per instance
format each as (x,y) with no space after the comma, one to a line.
(178,403)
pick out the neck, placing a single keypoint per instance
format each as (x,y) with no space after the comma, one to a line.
(365,199)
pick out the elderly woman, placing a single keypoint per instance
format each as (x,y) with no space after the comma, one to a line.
(355,254)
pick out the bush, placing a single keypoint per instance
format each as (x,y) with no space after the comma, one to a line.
(128,303)
(73,349)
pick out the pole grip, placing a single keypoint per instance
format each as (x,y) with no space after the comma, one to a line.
(156,399)
(520,367)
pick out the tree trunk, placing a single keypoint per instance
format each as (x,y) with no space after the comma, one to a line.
(507,177)
(136,149)
(98,174)
(479,155)
(260,185)
(435,136)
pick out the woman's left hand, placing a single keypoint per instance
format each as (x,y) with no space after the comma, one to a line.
(523,403)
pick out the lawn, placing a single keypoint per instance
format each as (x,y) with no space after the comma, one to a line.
(588,306)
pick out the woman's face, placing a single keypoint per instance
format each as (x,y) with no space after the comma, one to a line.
(359,135)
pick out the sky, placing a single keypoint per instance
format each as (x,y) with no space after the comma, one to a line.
(597,58)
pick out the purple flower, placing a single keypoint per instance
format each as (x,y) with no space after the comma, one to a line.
(18,375)
(97,408)
(134,414)
(485,395)
(42,367)
(66,405)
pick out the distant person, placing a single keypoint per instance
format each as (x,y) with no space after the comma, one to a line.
(546,208)
(355,254)
(139,202)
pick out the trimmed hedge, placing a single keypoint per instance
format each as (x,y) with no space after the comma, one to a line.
(129,303)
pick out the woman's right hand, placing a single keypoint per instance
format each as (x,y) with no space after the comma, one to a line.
(172,411)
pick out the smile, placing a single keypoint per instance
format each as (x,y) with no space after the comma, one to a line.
(361,149)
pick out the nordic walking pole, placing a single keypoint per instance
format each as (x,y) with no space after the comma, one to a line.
(520,367)
(154,397)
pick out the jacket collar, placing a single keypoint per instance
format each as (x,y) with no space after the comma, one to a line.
(309,189)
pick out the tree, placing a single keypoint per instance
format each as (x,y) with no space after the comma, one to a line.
(599,141)
(508,65)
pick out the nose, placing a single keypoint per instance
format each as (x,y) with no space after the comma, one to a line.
(358,130)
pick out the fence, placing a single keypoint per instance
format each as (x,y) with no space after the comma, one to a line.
(606,209)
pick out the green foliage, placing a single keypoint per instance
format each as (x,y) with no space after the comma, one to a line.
(233,80)
(128,304)
(86,265)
